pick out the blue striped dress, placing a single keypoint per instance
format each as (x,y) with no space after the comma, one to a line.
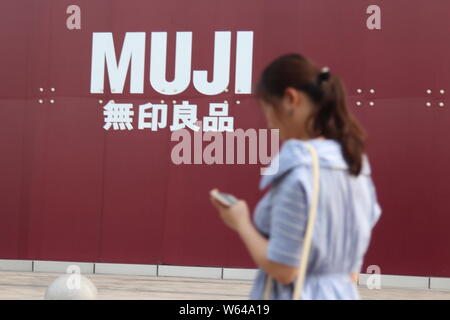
(347,211)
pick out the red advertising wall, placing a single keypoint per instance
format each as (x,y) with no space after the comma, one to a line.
(71,190)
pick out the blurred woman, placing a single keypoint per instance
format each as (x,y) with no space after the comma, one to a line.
(308,105)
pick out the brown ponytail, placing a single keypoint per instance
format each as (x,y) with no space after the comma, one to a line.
(331,117)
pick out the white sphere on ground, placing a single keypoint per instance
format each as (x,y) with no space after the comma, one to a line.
(71,286)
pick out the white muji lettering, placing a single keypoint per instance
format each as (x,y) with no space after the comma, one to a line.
(133,51)
(222,48)
(158,58)
(132,58)
(244,62)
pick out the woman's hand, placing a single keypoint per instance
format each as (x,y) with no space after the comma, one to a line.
(234,216)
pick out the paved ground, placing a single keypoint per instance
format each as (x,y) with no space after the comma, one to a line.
(28,285)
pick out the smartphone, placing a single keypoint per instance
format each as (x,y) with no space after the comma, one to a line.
(224,198)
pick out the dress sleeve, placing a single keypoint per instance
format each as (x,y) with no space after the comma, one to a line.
(376,210)
(288,218)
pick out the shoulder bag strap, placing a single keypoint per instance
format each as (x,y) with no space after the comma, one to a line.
(308,233)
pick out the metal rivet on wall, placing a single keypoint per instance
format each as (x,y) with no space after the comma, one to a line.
(41,101)
(442,91)
(226,90)
(162,101)
(372,91)
(429,91)
(174,101)
(52,101)
(441,104)
(41,89)
(358,103)
(238,102)
(52,89)
(428,104)
(371,103)
(225,102)
(100,101)
(358,90)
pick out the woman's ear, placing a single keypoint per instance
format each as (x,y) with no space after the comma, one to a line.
(293,96)
(292,99)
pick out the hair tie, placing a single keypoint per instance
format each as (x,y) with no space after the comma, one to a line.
(324,75)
